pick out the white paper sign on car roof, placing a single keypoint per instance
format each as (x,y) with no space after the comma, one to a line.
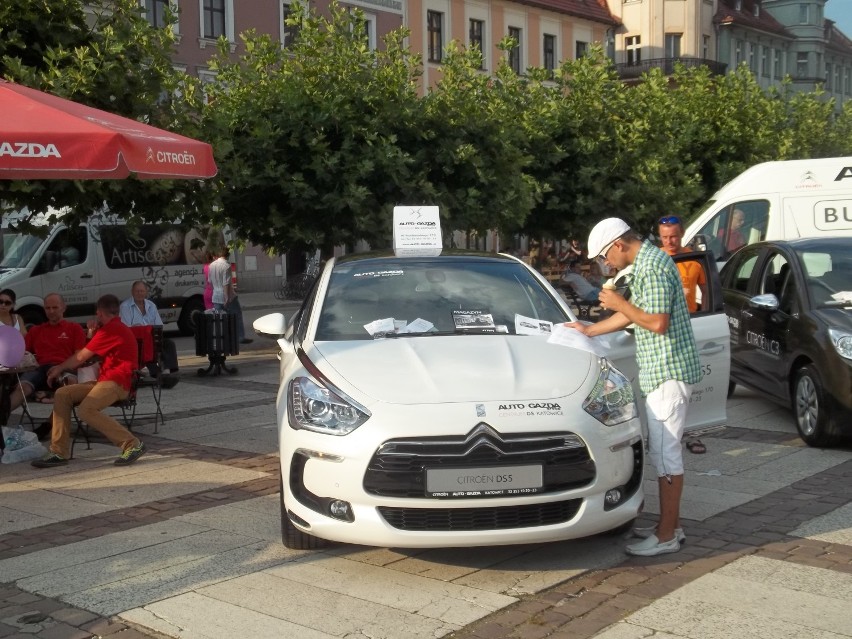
(416,231)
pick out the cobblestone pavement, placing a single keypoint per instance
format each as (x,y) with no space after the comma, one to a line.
(580,607)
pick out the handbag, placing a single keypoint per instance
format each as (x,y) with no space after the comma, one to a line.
(21,445)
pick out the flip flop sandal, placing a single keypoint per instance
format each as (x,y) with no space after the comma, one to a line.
(696,447)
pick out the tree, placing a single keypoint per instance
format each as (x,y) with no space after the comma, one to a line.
(313,142)
(120,64)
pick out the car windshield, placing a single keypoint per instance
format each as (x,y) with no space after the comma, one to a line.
(436,296)
(829,274)
(18,249)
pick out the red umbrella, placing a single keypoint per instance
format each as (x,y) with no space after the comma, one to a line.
(46,137)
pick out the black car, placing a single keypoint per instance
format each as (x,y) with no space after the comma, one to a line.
(789,308)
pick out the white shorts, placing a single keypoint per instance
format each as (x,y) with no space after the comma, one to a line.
(666,407)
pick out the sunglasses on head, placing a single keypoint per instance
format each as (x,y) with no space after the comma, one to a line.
(6,302)
(670,219)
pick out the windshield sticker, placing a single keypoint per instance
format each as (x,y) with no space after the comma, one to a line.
(473,320)
(529,326)
(380,327)
(419,325)
(388,273)
(388,325)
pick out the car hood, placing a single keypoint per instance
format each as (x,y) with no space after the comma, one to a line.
(455,369)
(836,317)
(7,272)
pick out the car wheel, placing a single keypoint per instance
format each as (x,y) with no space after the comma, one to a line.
(291,536)
(731,388)
(32,316)
(809,407)
(623,529)
(186,322)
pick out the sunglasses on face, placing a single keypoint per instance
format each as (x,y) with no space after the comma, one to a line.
(671,219)
(602,257)
(6,302)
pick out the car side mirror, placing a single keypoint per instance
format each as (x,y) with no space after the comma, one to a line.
(698,243)
(766,302)
(272,325)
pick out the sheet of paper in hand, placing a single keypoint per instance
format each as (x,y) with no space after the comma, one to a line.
(564,336)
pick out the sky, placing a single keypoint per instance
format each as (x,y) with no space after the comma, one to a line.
(841,12)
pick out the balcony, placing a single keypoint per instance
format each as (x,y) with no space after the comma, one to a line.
(667,65)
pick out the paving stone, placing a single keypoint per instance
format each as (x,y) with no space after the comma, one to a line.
(73,616)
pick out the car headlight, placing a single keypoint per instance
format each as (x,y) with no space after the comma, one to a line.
(842,342)
(612,400)
(322,409)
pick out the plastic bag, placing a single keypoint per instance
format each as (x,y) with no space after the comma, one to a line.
(21,445)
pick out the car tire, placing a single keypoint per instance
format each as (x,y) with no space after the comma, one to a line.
(291,536)
(810,408)
(186,322)
(32,316)
(621,530)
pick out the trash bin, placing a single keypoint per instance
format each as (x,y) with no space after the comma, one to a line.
(216,337)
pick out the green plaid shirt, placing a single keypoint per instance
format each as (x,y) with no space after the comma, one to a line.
(656,288)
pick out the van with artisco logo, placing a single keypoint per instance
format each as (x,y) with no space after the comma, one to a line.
(776,201)
(99,257)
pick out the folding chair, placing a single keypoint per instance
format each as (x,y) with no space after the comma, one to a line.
(149,340)
(127,405)
(144,378)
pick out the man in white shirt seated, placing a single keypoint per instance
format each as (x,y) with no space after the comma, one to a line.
(585,290)
(138,310)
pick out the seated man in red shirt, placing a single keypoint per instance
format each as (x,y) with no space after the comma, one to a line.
(118,351)
(52,342)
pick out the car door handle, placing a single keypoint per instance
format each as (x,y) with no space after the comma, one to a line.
(746,314)
(712,348)
(86,276)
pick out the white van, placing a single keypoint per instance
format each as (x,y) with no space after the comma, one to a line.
(776,201)
(100,257)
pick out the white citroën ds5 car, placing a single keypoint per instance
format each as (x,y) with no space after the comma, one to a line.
(422,405)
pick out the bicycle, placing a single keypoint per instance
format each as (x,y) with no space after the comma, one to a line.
(298,286)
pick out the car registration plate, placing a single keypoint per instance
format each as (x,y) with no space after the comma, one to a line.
(483,482)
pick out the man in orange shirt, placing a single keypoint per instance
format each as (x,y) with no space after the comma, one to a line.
(670,230)
(116,347)
(692,276)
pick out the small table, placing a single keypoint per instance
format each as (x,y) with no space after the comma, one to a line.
(8,379)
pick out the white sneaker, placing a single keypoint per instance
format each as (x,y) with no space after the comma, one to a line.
(646,531)
(653,546)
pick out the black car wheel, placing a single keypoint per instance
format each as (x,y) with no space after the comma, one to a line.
(810,407)
(291,536)
(186,322)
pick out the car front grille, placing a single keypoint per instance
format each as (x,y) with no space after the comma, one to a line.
(482,518)
(398,468)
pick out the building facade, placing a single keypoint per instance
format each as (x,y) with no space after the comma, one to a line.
(547,31)
(775,38)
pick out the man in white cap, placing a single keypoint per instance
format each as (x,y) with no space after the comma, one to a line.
(667,358)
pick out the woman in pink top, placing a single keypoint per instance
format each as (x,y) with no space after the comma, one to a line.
(208,287)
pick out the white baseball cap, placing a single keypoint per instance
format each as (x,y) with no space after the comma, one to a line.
(605,233)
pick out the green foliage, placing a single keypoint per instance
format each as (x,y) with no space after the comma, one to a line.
(317,142)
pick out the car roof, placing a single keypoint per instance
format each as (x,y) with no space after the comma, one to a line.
(455,255)
(809,243)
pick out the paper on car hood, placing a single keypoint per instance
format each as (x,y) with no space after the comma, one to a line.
(426,370)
